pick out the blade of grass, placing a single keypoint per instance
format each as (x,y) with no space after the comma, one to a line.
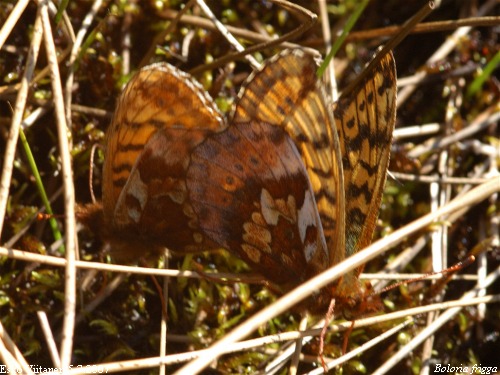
(476,85)
(41,190)
(60,10)
(340,40)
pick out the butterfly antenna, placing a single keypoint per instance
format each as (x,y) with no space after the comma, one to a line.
(456,267)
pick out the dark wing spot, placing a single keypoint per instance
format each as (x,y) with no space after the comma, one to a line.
(254,160)
(370,97)
(350,123)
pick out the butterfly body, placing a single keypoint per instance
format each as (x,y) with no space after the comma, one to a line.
(281,184)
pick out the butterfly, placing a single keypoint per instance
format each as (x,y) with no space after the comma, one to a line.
(281,183)
(346,160)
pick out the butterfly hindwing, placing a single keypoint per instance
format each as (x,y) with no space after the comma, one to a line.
(251,194)
(153,203)
(286,93)
(158,97)
(162,115)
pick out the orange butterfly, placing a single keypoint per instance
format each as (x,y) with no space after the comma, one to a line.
(161,116)
(346,161)
(277,186)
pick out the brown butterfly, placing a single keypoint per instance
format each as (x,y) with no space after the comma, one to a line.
(287,94)
(269,187)
(148,195)
(161,116)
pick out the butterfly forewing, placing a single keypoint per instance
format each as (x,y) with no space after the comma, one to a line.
(365,122)
(286,93)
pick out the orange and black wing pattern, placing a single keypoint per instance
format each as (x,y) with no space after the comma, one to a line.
(162,115)
(365,119)
(286,93)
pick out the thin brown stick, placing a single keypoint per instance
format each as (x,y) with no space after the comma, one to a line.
(424,27)
(161,35)
(444,50)
(22,95)
(299,11)
(69,191)
(391,44)
(11,20)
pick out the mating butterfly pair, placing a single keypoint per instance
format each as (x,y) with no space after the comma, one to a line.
(281,184)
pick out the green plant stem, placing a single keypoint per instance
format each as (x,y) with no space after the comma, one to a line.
(341,39)
(41,190)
